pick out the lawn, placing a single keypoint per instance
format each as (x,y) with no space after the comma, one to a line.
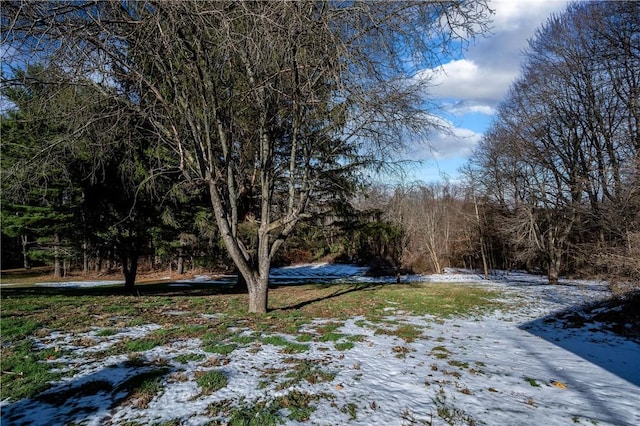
(358,353)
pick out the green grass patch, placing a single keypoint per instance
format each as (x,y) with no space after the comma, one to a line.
(370,300)
(144,386)
(343,346)
(287,346)
(185,358)
(329,327)
(17,328)
(351,409)
(307,370)
(141,345)
(106,332)
(458,364)
(211,381)
(258,414)
(244,339)
(440,352)
(533,382)
(406,332)
(221,348)
(331,337)
(299,404)
(305,337)
(24,374)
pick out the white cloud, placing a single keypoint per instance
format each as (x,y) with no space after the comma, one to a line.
(476,89)
(523,15)
(450,142)
(458,142)
(478,82)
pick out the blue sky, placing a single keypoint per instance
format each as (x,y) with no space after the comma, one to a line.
(470,88)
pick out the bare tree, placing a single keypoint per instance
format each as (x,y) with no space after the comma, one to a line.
(558,155)
(265,103)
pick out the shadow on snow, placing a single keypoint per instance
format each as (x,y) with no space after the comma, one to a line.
(591,332)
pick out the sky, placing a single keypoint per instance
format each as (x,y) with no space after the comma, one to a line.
(469,88)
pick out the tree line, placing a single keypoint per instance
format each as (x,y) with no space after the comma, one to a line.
(560,167)
(270,110)
(241,132)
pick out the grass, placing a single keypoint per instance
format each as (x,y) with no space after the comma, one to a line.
(287,346)
(106,332)
(34,312)
(23,372)
(185,358)
(222,348)
(305,370)
(343,346)
(211,381)
(451,414)
(533,382)
(407,332)
(141,345)
(142,387)
(440,352)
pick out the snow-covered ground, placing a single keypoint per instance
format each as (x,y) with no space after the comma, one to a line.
(519,366)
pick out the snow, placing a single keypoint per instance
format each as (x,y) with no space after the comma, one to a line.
(520,366)
(78,284)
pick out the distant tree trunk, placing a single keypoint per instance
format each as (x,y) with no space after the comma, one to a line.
(98,262)
(25,252)
(555,261)
(130,268)
(57,266)
(85,258)
(482,248)
(180,268)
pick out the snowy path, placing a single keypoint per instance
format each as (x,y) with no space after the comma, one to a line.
(516,367)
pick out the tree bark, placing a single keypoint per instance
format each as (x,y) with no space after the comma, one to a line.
(180,267)
(25,252)
(57,266)
(85,259)
(554,266)
(130,269)
(259,295)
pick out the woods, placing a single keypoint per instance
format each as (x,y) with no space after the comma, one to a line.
(560,162)
(242,133)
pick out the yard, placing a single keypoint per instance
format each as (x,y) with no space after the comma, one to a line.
(435,350)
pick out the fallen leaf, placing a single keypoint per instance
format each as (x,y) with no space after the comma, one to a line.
(558,384)
(339,386)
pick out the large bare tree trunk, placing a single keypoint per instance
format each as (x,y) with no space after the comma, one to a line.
(259,295)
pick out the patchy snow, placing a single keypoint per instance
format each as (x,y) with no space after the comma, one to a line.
(317,271)
(519,366)
(78,284)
